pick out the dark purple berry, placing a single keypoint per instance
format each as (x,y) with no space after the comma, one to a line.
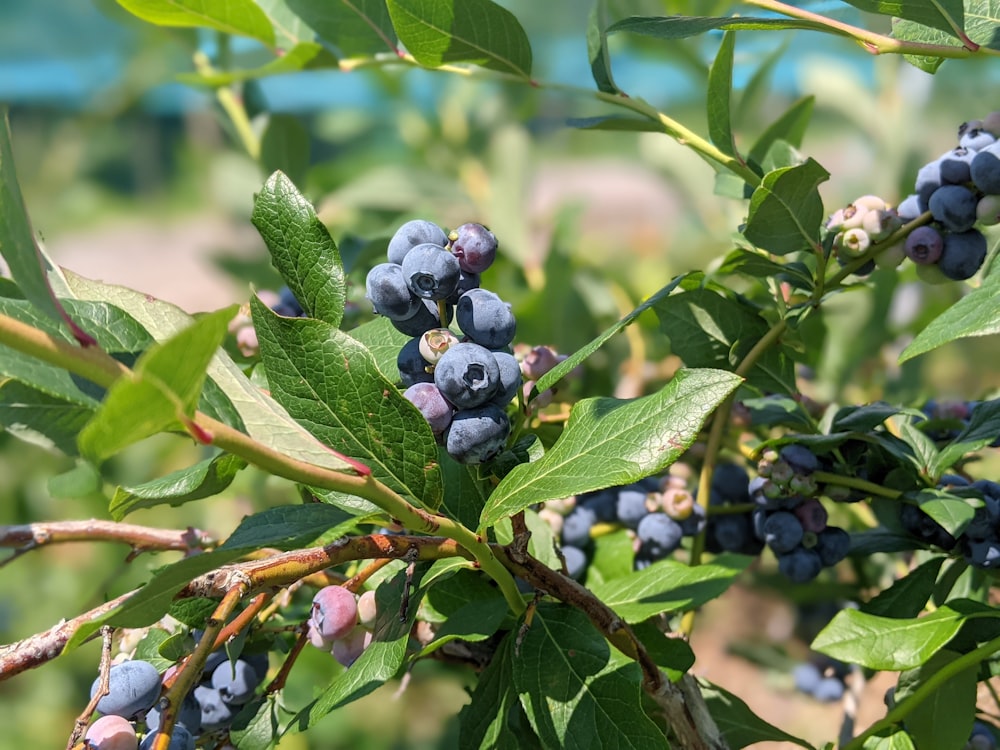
(924,245)
(474,246)
(435,407)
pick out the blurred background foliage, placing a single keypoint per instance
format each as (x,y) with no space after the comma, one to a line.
(134,178)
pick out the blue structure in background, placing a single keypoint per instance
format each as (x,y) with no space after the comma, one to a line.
(69,63)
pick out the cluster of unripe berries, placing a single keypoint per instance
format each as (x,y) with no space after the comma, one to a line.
(134,688)
(341,622)
(960,189)
(462,386)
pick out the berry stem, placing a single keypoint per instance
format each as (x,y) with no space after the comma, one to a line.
(232,106)
(826,477)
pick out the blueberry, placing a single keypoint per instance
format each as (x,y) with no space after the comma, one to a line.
(984,553)
(832,545)
(431,272)
(732,533)
(413,368)
(577,525)
(988,210)
(334,613)
(510,378)
(800,458)
(180,739)
(287,305)
(432,405)
(732,482)
(426,318)
(956,166)
(413,233)
(133,688)
(111,733)
(695,523)
(800,565)
(477,435)
(468,375)
(602,502)
(576,561)
(215,712)
(989,488)
(976,140)
(485,318)
(630,506)
(659,535)
(782,531)
(474,246)
(923,527)
(389,294)
(466,281)
(955,207)
(924,245)
(189,715)
(985,169)
(807,677)
(829,689)
(235,681)
(963,254)
(909,208)
(928,180)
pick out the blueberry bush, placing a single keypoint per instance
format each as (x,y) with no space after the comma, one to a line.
(461,494)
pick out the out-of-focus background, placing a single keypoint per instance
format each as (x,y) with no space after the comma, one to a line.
(135,179)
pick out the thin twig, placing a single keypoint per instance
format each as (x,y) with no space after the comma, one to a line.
(103,688)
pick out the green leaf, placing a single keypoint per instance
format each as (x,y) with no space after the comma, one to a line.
(907,597)
(541,545)
(359,28)
(289,27)
(241,17)
(786,210)
(896,740)
(681,27)
(770,411)
(888,643)
(379,662)
(437,32)
(303,55)
(673,655)
(29,265)
(707,329)
(39,418)
(483,721)
(597,48)
(565,367)
(466,607)
(759,266)
(615,123)
(329,382)
(285,527)
(149,648)
(613,558)
(255,727)
(981,431)
(384,342)
(165,389)
(789,127)
(609,442)
(669,586)
(863,418)
(301,249)
(465,491)
(739,725)
(945,15)
(285,147)
(574,693)
(945,717)
(204,479)
(256,413)
(952,512)
(976,314)
(720,94)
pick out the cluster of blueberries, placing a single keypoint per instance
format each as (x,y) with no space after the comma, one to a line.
(461,386)
(134,688)
(822,678)
(779,509)
(341,622)
(960,189)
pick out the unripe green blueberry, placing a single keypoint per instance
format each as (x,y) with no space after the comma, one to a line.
(435,342)
(988,210)
(852,243)
(892,255)
(870,203)
(366,608)
(930,274)
(678,504)
(880,223)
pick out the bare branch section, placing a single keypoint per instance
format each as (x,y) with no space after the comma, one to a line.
(44,647)
(25,537)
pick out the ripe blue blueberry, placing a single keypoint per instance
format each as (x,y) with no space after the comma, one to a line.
(985,169)
(510,378)
(474,246)
(800,458)
(477,435)
(732,482)
(731,533)
(577,525)
(782,531)
(956,166)
(807,677)
(576,561)
(235,681)
(386,288)
(133,687)
(413,368)
(189,715)
(180,739)
(630,506)
(832,545)
(426,318)
(909,208)
(466,281)
(976,139)
(800,565)
(468,375)
(928,180)
(659,535)
(829,689)
(413,233)
(485,318)
(963,254)
(431,272)
(215,712)
(288,306)
(954,206)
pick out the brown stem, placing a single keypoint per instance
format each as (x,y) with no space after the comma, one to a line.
(40,648)
(103,688)
(279,679)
